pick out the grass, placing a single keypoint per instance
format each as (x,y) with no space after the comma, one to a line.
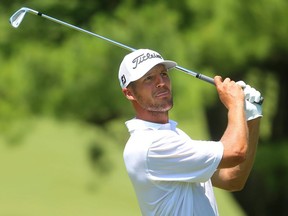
(47,172)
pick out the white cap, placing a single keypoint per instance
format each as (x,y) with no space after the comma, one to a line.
(136,64)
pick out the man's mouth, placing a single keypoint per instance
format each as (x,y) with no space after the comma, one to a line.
(162,93)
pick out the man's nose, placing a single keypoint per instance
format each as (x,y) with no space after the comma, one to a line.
(160,81)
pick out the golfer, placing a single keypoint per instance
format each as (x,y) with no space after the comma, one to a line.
(171,173)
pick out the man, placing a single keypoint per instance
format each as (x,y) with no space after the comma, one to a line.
(171,173)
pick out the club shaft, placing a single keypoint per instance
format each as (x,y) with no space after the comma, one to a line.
(197,75)
(80,29)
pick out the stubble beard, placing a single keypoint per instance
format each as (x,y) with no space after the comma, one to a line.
(161,106)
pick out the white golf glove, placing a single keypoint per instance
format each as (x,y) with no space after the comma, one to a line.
(253,108)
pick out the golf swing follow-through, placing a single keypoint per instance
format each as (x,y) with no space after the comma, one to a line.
(16,19)
(171,173)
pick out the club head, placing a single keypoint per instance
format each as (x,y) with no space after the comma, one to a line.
(16,19)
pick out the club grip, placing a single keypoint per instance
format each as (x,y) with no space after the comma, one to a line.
(205,78)
(211,80)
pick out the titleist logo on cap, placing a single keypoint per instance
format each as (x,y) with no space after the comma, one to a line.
(144,57)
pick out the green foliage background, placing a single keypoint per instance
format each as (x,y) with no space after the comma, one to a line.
(51,71)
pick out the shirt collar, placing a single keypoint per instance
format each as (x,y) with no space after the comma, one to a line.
(138,124)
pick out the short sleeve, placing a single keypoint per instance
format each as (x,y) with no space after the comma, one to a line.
(176,158)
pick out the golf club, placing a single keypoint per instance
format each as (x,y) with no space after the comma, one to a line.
(18,16)
(16,19)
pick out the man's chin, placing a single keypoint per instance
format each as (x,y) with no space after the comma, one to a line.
(165,108)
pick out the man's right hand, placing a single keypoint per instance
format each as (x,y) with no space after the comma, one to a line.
(230,93)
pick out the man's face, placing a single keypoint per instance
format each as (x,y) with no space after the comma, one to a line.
(153,91)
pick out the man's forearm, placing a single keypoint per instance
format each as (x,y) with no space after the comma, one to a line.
(246,167)
(234,179)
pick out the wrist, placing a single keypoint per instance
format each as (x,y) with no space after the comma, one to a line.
(237,113)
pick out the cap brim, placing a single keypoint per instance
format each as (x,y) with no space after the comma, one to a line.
(169,64)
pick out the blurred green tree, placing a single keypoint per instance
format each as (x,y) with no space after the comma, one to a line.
(48,69)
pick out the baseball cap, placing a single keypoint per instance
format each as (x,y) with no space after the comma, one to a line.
(137,63)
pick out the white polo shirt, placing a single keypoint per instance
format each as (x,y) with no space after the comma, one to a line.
(169,171)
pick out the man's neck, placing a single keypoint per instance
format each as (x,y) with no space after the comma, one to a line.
(156,117)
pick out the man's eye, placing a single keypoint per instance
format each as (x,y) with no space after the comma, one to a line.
(148,78)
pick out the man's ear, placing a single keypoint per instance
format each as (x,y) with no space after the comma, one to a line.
(128,94)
